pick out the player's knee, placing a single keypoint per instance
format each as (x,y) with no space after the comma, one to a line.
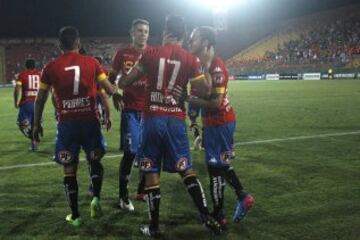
(151,180)
(96,155)
(25,127)
(187,173)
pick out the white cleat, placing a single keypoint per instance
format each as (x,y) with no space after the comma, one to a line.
(128,206)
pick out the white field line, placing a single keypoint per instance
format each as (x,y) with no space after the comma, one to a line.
(236,144)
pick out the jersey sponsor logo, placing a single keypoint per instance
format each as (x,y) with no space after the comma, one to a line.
(81,102)
(128,55)
(158,97)
(181,164)
(65,157)
(145,164)
(31,93)
(156,108)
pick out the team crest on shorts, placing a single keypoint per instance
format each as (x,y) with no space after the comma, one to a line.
(181,164)
(145,164)
(65,157)
(226,156)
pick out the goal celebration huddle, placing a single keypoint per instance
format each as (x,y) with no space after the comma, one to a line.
(151,87)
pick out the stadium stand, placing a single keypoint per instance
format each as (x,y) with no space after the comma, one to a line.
(45,50)
(325,40)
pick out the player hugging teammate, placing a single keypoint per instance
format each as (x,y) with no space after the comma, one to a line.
(154,129)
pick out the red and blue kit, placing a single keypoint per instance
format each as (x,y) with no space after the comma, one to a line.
(74,79)
(164,132)
(167,67)
(29,80)
(219,125)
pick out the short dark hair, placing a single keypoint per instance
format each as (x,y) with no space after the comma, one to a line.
(68,36)
(175,26)
(82,51)
(139,21)
(30,63)
(99,59)
(207,33)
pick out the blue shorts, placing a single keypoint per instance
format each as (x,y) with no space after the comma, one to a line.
(130,131)
(218,144)
(25,118)
(72,135)
(164,141)
(193,112)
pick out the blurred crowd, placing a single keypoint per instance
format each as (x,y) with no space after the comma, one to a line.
(45,50)
(333,43)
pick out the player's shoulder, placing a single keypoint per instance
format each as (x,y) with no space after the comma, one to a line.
(90,59)
(21,74)
(152,49)
(218,65)
(149,47)
(35,72)
(124,50)
(151,52)
(50,65)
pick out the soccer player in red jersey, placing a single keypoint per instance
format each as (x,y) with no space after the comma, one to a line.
(131,110)
(73,78)
(164,138)
(27,83)
(219,126)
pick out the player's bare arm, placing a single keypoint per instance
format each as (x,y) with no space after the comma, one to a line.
(38,111)
(112,75)
(17,92)
(105,99)
(112,90)
(211,104)
(134,74)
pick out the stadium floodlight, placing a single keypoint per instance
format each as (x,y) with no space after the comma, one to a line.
(218,5)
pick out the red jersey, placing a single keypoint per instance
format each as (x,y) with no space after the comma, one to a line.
(30,82)
(167,66)
(73,77)
(220,78)
(134,95)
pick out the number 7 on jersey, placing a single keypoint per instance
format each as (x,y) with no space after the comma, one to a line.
(76,78)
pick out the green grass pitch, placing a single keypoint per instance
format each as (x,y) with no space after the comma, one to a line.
(305,188)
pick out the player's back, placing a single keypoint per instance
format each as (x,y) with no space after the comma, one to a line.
(73,77)
(30,82)
(167,66)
